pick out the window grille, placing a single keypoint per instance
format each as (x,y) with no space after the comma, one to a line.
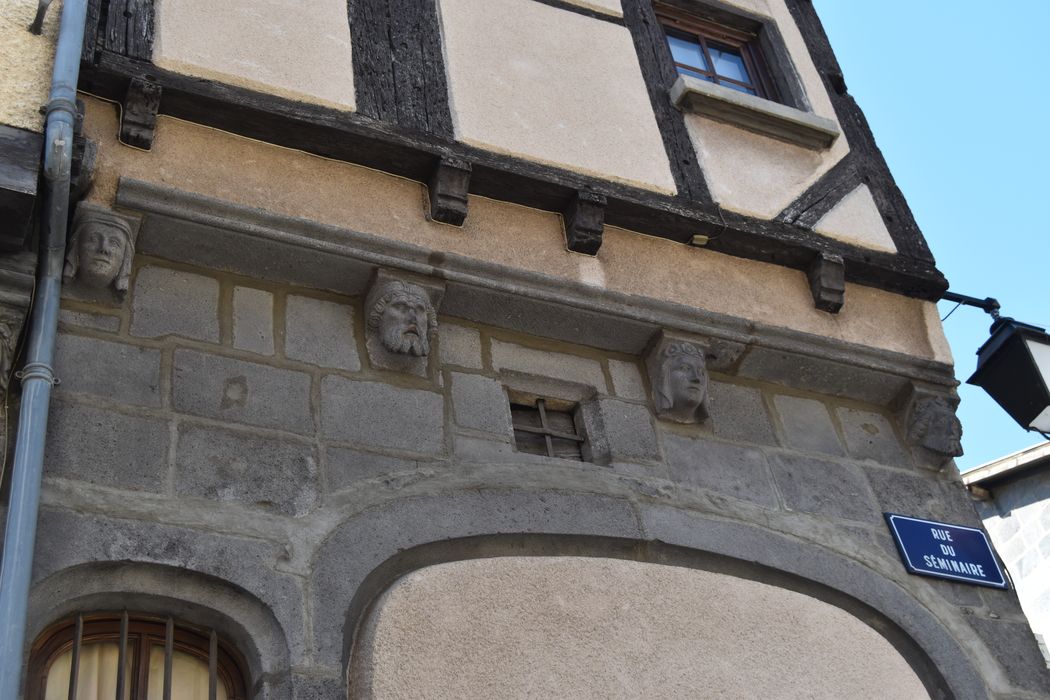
(546,430)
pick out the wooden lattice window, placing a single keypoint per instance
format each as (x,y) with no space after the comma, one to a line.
(121,656)
(547,427)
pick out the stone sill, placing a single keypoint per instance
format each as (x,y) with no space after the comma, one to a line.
(753,113)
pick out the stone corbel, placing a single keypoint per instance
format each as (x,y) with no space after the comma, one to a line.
(138,116)
(827,282)
(447,190)
(934,431)
(17,276)
(585,222)
(400,320)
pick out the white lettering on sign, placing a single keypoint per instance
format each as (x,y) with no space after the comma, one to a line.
(959,567)
(939,534)
(948,550)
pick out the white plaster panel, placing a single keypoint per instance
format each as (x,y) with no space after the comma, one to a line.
(573,627)
(758,175)
(552,86)
(27,60)
(856,219)
(283,47)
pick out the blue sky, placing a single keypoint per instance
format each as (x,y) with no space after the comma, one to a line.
(956,94)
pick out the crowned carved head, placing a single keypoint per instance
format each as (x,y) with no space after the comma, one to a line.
(101,249)
(680,390)
(403,317)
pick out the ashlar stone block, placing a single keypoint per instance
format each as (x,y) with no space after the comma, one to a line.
(618,431)
(807,425)
(172,302)
(125,373)
(824,488)
(277,475)
(870,436)
(320,332)
(243,392)
(543,363)
(253,320)
(732,470)
(480,403)
(381,415)
(459,345)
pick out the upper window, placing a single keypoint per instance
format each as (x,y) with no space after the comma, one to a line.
(132,657)
(717,54)
(545,427)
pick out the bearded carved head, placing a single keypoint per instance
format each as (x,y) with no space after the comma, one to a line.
(403,317)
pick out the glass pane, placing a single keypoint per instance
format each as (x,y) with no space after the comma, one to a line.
(98,674)
(729,63)
(738,88)
(189,677)
(687,52)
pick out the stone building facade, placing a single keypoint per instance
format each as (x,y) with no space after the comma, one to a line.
(469,349)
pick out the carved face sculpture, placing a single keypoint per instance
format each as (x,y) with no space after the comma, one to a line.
(684,385)
(100,251)
(9,328)
(936,427)
(404,317)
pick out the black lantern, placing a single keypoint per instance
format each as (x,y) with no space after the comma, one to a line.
(1013,366)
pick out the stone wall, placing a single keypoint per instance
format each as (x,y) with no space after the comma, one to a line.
(1018,520)
(235,429)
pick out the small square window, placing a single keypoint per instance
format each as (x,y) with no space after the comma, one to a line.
(722,55)
(547,427)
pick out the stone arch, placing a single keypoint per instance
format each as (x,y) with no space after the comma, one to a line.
(363,557)
(199,599)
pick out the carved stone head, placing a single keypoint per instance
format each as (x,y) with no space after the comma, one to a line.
(400,318)
(935,428)
(678,375)
(404,318)
(100,252)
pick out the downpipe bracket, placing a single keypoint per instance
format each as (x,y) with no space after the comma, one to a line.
(38,370)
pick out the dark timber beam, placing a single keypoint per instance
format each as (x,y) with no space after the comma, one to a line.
(584,222)
(20,152)
(810,206)
(355,138)
(447,191)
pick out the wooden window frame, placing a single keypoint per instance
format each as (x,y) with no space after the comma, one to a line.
(676,21)
(137,634)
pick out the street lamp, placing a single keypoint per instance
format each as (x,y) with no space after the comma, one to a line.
(1013,366)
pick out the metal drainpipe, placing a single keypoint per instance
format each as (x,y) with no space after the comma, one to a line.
(38,376)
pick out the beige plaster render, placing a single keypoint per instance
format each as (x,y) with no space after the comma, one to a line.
(27,60)
(283,47)
(759,175)
(552,86)
(573,627)
(200,160)
(856,219)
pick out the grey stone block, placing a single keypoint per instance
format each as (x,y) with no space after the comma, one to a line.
(739,413)
(278,475)
(316,688)
(871,436)
(117,371)
(107,448)
(831,489)
(482,451)
(627,380)
(1016,650)
(170,302)
(618,431)
(735,471)
(807,425)
(922,497)
(253,320)
(380,415)
(99,322)
(459,345)
(243,392)
(320,332)
(569,368)
(345,467)
(481,404)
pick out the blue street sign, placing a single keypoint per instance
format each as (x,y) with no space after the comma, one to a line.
(946,551)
